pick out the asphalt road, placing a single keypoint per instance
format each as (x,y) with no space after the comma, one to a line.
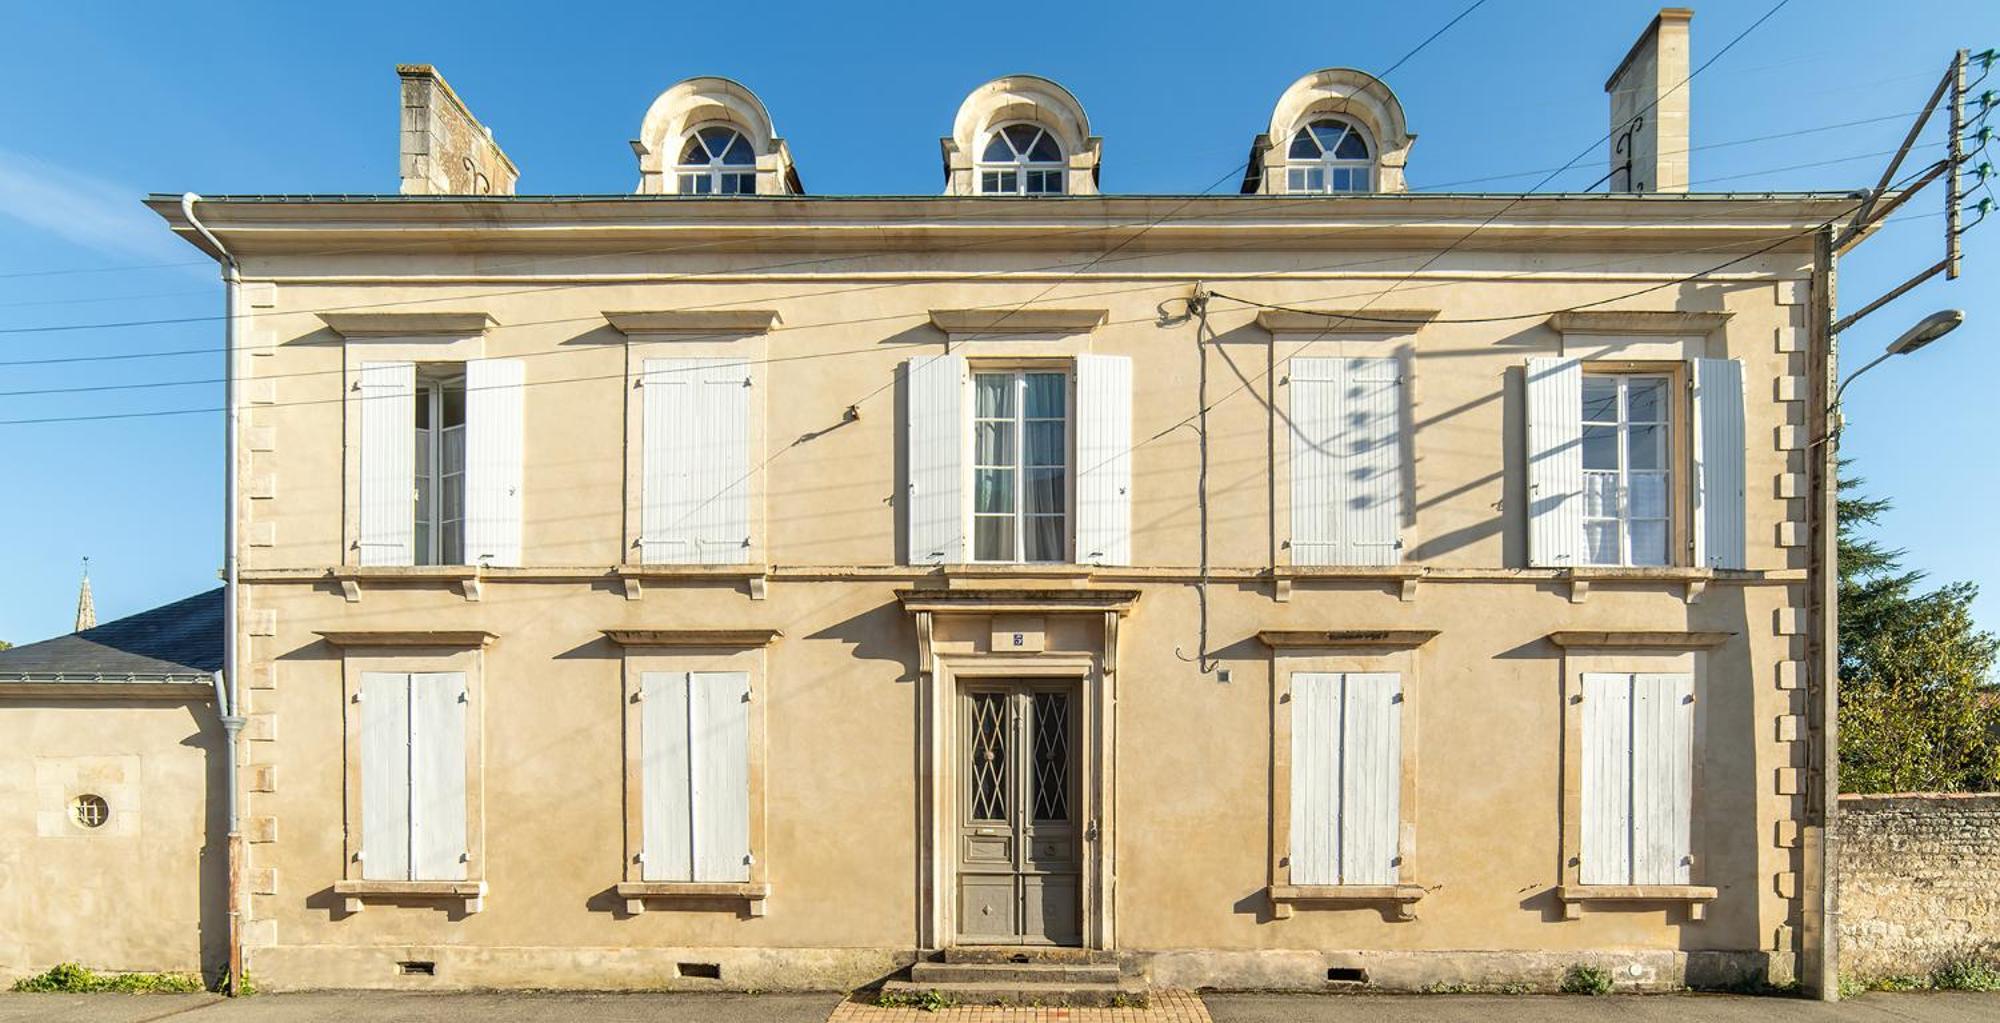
(1879,1007)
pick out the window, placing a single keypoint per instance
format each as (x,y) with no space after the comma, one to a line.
(440,472)
(695,775)
(1627,507)
(413,776)
(695,485)
(1021,159)
(1327,156)
(1346,460)
(1638,779)
(717,160)
(1020,466)
(89,811)
(1347,777)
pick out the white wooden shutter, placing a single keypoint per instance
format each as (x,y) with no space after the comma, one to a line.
(665,813)
(385,776)
(494,396)
(438,850)
(1315,418)
(1104,459)
(935,444)
(1606,847)
(1555,462)
(1368,490)
(1662,777)
(719,769)
(1719,476)
(388,496)
(1315,777)
(695,487)
(1371,753)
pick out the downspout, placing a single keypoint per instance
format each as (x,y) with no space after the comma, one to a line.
(228,687)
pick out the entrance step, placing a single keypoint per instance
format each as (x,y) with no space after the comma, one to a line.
(1012,975)
(1126,991)
(1029,954)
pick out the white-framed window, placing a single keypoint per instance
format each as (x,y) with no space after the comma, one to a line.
(1329,155)
(717,160)
(438,462)
(440,471)
(1627,483)
(1021,159)
(414,819)
(695,776)
(1637,779)
(1347,777)
(1020,465)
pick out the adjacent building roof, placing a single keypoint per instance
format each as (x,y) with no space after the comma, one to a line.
(177,642)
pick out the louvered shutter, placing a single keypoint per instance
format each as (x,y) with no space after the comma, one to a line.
(385,776)
(694,486)
(388,463)
(1555,462)
(1315,464)
(437,776)
(494,396)
(934,440)
(1371,777)
(1662,777)
(666,813)
(719,766)
(1719,475)
(1368,489)
(1606,824)
(1104,460)
(1315,777)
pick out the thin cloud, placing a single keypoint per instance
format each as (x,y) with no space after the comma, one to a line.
(81,209)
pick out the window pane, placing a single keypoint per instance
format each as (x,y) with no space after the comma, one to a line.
(993,538)
(1645,401)
(993,444)
(1045,182)
(1648,495)
(1600,543)
(739,153)
(423,546)
(1329,133)
(1600,447)
(694,153)
(1021,136)
(1303,146)
(423,450)
(1352,147)
(1046,150)
(1362,177)
(993,490)
(997,151)
(739,184)
(1046,490)
(696,184)
(1644,444)
(1046,443)
(453,453)
(1295,180)
(1343,180)
(717,138)
(1047,395)
(1649,543)
(452,550)
(1600,399)
(995,395)
(451,490)
(454,406)
(1045,539)
(1600,495)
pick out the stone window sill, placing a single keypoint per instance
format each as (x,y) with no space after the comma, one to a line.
(1575,896)
(355,894)
(1286,897)
(637,893)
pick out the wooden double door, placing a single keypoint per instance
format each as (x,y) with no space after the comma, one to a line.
(1020,844)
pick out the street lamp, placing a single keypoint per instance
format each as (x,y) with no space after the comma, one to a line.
(1927,330)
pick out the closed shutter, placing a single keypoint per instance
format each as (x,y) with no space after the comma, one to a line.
(1104,459)
(1371,778)
(385,776)
(1638,778)
(935,444)
(437,776)
(388,392)
(719,760)
(1607,780)
(494,396)
(1719,483)
(1555,462)
(1315,416)
(1368,493)
(1315,777)
(694,485)
(665,814)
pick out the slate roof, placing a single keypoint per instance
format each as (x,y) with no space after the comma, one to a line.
(180,642)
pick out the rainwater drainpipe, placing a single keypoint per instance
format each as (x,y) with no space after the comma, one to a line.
(228,690)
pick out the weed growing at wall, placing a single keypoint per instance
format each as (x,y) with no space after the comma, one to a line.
(1584,979)
(71,978)
(1968,970)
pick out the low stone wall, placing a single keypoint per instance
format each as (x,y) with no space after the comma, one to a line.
(1919,879)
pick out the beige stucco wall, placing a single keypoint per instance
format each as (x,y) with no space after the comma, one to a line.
(1193,842)
(145,890)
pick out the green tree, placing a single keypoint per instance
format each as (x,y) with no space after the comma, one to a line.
(1918,710)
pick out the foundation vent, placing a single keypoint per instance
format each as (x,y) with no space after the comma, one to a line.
(1353,975)
(417,968)
(703,971)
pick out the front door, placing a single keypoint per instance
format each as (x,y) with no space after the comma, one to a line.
(1019,849)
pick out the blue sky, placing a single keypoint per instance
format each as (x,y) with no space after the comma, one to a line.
(107,104)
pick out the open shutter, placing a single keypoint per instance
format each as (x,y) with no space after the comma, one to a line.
(695,487)
(1607,779)
(388,394)
(1368,489)
(1315,777)
(493,428)
(935,444)
(437,776)
(719,766)
(1555,462)
(1104,459)
(385,776)
(1719,476)
(1371,753)
(663,744)
(1315,416)
(1662,777)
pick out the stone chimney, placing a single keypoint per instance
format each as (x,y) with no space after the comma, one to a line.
(1649,108)
(446,151)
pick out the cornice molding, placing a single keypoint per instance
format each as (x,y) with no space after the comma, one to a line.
(737,638)
(462,639)
(368,326)
(1638,321)
(1017,321)
(686,323)
(1316,639)
(1018,601)
(1345,321)
(1639,639)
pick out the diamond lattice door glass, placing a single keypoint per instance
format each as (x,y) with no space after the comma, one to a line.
(1020,855)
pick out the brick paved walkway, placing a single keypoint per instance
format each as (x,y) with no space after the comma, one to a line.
(1166,1007)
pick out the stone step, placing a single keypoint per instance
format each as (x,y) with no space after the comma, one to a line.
(1014,973)
(1027,954)
(1128,991)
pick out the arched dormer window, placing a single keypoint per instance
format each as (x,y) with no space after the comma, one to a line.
(1329,155)
(717,160)
(1021,159)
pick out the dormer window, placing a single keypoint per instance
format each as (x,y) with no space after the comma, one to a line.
(1021,159)
(1329,155)
(717,160)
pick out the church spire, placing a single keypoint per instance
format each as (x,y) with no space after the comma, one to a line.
(86,608)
